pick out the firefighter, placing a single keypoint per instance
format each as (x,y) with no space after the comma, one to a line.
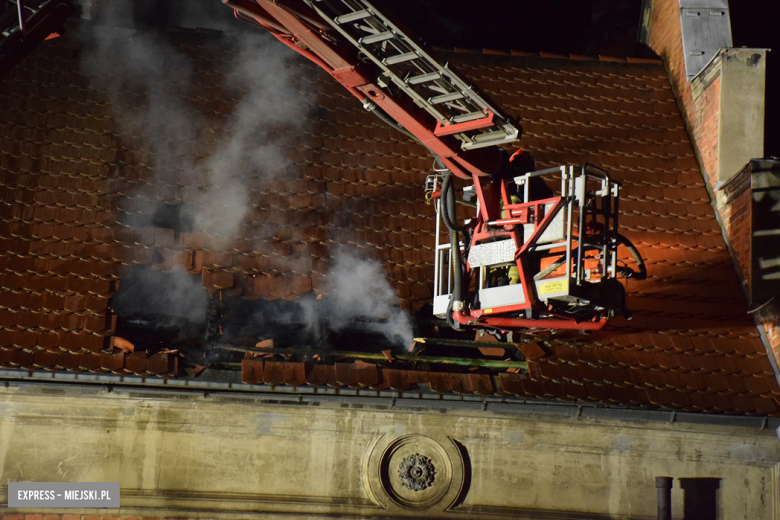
(519,163)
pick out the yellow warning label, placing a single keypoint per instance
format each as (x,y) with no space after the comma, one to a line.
(554,287)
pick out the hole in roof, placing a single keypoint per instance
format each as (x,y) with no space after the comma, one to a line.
(306,322)
(172,216)
(157,309)
(146,213)
(172,310)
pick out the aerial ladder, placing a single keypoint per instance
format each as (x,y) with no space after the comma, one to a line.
(529,259)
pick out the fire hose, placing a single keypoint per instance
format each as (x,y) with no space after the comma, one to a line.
(449,218)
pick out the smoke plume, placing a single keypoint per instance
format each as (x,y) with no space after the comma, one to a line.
(250,153)
(148,83)
(357,300)
(174,294)
(358,289)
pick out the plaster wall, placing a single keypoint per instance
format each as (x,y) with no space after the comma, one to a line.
(227,456)
(741,125)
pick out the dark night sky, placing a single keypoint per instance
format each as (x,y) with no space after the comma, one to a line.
(556,26)
(754,23)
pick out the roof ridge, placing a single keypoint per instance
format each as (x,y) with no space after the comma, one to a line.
(572,57)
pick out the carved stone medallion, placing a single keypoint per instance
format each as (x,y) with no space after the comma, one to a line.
(417,472)
(414,472)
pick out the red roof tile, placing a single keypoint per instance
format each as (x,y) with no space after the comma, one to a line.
(322,375)
(295,374)
(251,371)
(354,181)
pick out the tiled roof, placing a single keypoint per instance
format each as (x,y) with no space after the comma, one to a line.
(68,175)
(682,387)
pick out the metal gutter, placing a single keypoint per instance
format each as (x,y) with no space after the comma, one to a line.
(417,401)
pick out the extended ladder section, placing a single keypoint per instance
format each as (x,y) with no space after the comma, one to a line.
(458,110)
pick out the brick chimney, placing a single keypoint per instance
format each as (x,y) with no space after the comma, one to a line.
(721,94)
(751,214)
(720,89)
(737,78)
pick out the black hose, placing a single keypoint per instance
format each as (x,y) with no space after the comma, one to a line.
(381,114)
(448,204)
(627,271)
(457,274)
(448,212)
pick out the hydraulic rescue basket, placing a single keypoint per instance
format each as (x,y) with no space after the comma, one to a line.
(549,263)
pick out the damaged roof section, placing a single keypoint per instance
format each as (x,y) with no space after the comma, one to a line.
(82,194)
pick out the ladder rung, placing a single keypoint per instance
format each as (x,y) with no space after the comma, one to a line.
(400,58)
(508,138)
(445,97)
(489,136)
(471,116)
(423,78)
(374,38)
(465,126)
(351,17)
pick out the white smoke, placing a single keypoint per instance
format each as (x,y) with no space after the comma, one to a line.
(250,154)
(144,80)
(176,293)
(85,9)
(359,289)
(147,81)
